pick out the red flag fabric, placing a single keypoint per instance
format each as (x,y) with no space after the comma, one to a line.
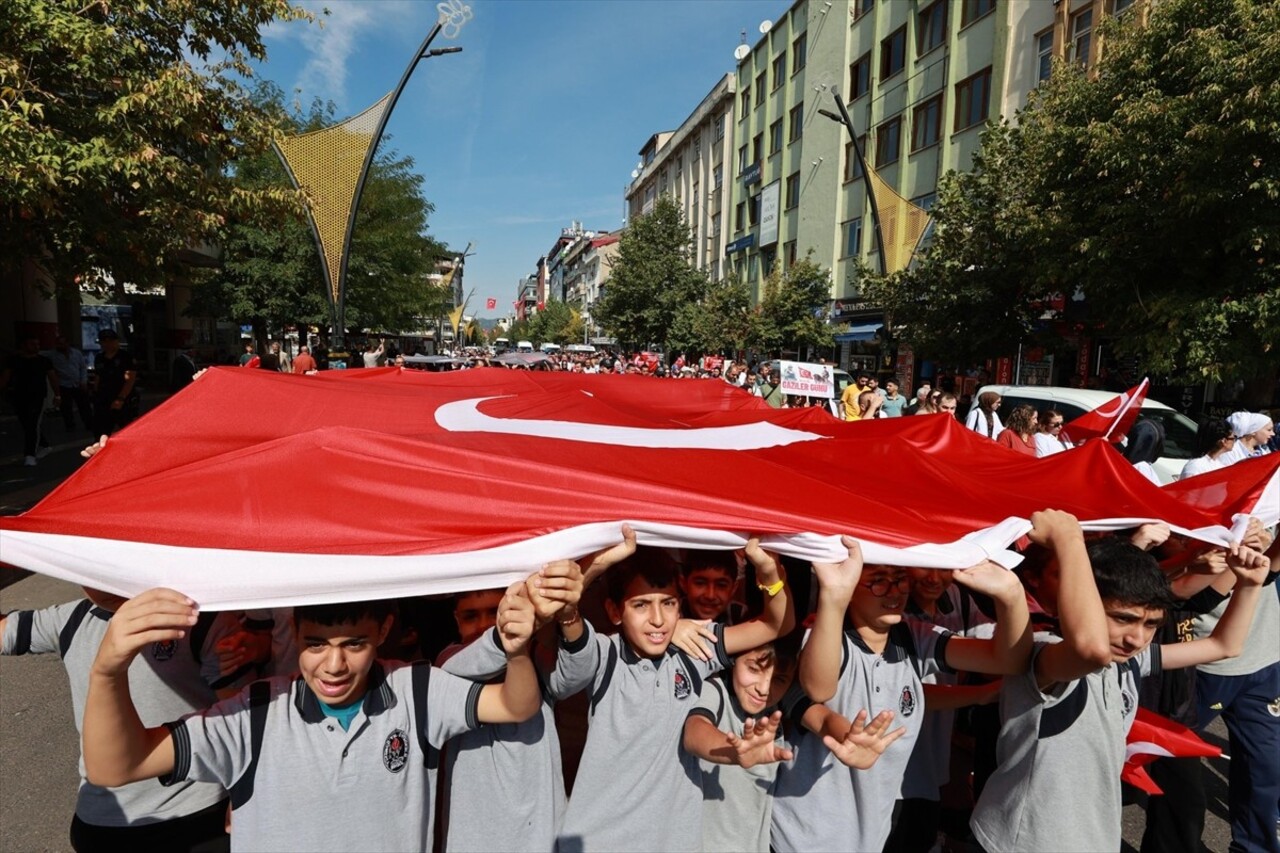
(1153,736)
(253,488)
(491,303)
(1112,420)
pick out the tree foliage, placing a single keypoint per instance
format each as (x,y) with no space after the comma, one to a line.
(651,279)
(793,307)
(113,146)
(1151,188)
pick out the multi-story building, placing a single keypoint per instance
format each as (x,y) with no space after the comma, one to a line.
(691,164)
(587,273)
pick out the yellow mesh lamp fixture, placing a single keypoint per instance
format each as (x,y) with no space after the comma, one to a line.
(902,223)
(326,165)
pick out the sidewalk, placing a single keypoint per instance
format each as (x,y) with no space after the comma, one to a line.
(22,487)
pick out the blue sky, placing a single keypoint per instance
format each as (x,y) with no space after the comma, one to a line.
(536,123)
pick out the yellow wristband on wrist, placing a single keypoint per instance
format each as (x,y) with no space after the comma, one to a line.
(772,589)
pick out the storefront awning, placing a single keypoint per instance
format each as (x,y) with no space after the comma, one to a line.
(859,333)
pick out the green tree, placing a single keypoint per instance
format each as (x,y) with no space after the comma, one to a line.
(270,273)
(554,324)
(651,279)
(113,146)
(1152,188)
(726,319)
(793,307)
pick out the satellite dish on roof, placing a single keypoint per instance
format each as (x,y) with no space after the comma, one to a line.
(635,173)
(765,26)
(741,52)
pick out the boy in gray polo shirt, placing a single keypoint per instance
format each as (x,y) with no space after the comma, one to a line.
(636,788)
(170,678)
(735,732)
(1062,745)
(343,757)
(505,782)
(878,665)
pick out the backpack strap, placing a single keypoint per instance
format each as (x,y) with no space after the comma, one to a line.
(199,633)
(68,632)
(421,680)
(259,701)
(25,621)
(610,664)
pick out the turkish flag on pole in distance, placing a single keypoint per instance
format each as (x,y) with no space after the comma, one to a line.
(1112,420)
(1153,736)
(490,303)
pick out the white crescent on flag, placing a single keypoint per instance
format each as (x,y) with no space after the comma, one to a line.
(252,488)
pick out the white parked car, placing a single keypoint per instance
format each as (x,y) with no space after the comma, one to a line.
(1180,442)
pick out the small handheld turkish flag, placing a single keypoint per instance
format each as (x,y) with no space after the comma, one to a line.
(491,303)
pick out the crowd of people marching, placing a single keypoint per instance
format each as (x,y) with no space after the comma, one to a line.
(660,699)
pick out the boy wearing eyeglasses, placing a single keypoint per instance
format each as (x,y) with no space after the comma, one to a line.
(875,661)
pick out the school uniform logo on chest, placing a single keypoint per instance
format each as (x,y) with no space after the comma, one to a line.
(395,751)
(164,650)
(1127,701)
(907,704)
(683,687)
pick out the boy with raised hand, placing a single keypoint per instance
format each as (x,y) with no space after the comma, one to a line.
(1062,745)
(735,731)
(636,789)
(342,757)
(170,678)
(877,664)
(506,783)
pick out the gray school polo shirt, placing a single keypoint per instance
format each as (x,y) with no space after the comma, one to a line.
(165,680)
(929,767)
(1057,780)
(818,803)
(737,804)
(1261,647)
(312,785)
(505,782)
(637,789)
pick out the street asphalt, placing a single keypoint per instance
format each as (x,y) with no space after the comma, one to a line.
(39,747)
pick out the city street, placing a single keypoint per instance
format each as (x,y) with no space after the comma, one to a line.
(38,745)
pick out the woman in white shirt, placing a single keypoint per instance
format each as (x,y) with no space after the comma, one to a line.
(1049,440)
(1253,431)
(1216,438)
(983,418)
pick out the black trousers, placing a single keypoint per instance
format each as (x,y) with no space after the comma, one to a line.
(1175,820)
(201,832)
(75,396)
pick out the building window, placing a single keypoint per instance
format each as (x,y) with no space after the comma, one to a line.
(972,10)
(852,165)
(742,159)
(757,149)
(793,191)
(1119,7)
(860,77)
(775,137)
(1044,55)
(740,216)
(852,238)
(889,142)
(926,124)
(926,201)
(973,98)
(761,82)
(717,176)
(797,122)
(799,48)
(1081,38)
(861,7)
(893,53)
(720,127)
(931,27)
(779,69)
(753,210)
(715,225)
(790,253)
(746,103)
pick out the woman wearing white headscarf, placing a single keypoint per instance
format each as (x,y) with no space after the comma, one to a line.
(1253,431)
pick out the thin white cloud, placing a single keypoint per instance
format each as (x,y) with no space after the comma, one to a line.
(331,42)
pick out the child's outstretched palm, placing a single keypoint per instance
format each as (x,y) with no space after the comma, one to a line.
(864,743)
(758,744)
